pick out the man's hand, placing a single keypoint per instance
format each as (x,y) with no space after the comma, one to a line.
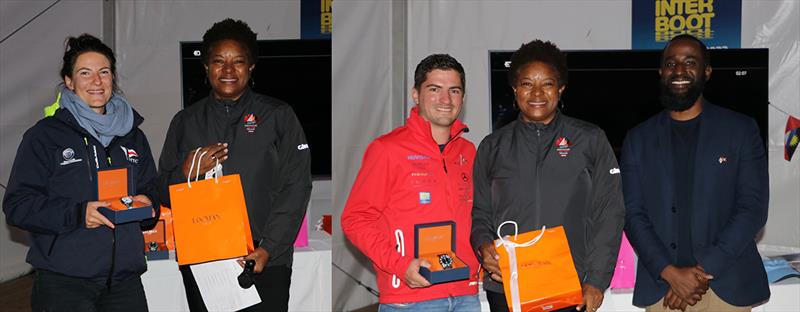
(214,152)
(592,299)
(491,261)
(94,218)
(689,283)
(673,302)
(413,279)
(260,255)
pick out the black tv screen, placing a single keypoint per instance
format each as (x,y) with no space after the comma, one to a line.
(295,71)
(617,90)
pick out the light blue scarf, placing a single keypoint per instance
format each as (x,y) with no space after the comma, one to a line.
(117,121)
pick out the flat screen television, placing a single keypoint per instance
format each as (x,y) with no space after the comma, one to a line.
(617,90)
(295,71)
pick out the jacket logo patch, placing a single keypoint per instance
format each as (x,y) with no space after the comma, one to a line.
(614,171)
(722,159)
(130,154)
(562,147)
(302,147)
(424,198)
(250,123)
(461,160)
(69,156)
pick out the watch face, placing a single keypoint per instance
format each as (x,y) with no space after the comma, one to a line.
(127,201)
(152,246)
(446,261)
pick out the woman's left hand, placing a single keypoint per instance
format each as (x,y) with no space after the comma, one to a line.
(145,200)
(592,299)
(260,255)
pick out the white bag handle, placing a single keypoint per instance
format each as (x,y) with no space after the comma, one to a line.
(516,231)
(189,176)
(197,176)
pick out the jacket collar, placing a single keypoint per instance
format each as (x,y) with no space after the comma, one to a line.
(421,128)
(237,106)
(534,126)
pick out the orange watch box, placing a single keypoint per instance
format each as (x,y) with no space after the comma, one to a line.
(112,186)
(155,242)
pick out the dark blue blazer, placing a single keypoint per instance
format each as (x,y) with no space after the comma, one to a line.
(730,200)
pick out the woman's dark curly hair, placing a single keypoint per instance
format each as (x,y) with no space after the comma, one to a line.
(75,46)
(538,51)
(230,29)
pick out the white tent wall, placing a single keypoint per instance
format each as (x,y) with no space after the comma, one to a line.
(367,101)
(469,29)
(776,25)
(30,61)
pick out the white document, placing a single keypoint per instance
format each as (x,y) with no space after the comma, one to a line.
(220,288)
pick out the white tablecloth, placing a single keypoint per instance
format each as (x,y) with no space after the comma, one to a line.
(310,289)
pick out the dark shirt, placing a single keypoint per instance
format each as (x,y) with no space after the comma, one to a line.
(684,146)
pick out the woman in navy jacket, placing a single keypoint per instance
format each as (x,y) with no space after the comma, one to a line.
(83,261)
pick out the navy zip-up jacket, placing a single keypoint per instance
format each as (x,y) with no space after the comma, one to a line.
(54,176)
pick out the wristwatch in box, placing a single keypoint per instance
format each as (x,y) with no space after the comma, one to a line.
(446,261)
(152,246)
(127,201)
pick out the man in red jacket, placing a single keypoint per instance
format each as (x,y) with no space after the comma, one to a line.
(418,173)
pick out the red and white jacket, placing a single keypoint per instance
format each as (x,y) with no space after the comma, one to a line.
(405,180)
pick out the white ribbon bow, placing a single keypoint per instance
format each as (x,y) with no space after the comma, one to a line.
(512,260)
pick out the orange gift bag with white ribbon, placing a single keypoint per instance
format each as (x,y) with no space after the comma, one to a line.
(210,218)
(537,269)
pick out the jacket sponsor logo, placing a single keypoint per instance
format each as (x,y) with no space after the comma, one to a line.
(722,159)
(250,123)
(417,157)
(130,154)
(424,198)
(614,171)
(69,156)
(302,147)
(461,160)
(420,174)
(562,147)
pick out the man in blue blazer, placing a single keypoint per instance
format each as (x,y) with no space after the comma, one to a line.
(696,192)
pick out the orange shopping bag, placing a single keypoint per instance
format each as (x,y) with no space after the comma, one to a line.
(210,218)
(537,269)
